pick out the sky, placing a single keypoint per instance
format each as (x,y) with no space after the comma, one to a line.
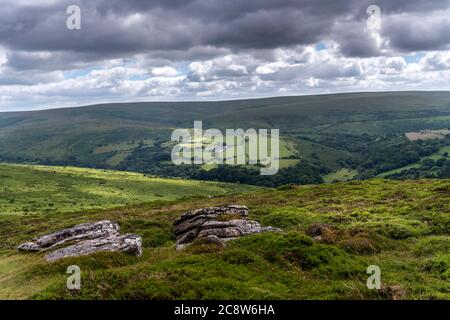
(177,50)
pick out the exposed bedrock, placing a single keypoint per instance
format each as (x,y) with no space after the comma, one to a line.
(225,223)
(84,239)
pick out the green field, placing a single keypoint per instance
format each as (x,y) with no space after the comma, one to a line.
(440,154)
(411,166)
(117,152)
(435,156)
(340,175)
(401,226)
(45,189)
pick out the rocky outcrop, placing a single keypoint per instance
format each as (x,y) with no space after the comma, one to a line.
(215,224)
(79,232)
(84,239)
(131,244)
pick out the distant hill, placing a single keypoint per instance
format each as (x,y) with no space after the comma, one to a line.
(359,132)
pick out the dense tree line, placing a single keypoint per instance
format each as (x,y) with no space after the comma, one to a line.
(370,156)
(428,169)
(375,155)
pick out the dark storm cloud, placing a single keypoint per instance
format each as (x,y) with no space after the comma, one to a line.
(423,33)
(176,29)
(354,41)
(25,60)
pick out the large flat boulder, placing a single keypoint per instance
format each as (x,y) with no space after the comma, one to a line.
(131,244)
(84,239)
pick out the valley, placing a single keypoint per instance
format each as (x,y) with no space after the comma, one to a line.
(363,133)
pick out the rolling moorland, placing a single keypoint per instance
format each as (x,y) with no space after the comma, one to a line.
(32,190)
(324,138)
(399,224)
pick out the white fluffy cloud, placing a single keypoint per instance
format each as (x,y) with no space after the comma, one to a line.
(299,70)
(165,71)
(435,61)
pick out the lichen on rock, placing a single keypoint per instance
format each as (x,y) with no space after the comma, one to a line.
(84,239)
(224,223)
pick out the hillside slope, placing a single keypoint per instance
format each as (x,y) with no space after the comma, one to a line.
(401,226)
(31,190)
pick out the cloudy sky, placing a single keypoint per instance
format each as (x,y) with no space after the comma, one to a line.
(157,50)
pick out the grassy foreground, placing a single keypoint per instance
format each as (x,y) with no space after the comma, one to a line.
(403,227)
(26,189)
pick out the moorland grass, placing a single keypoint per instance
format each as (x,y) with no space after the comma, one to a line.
(401,226)
(30,189)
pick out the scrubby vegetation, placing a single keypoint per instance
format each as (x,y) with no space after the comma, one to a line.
(331,234)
